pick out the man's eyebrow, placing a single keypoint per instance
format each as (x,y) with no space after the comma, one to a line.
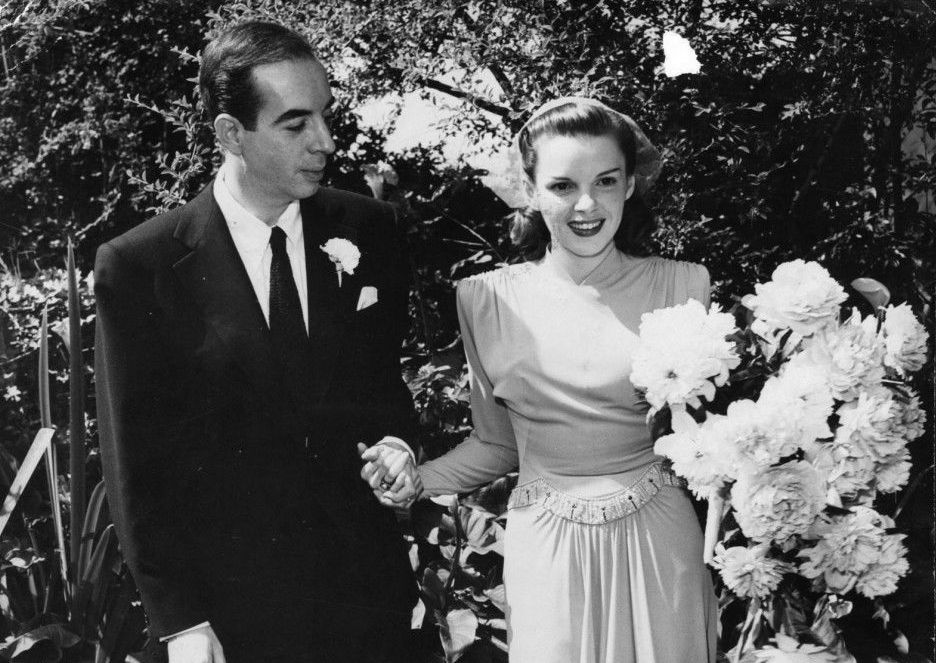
(294,113)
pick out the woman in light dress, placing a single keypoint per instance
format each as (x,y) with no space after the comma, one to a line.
(603,552)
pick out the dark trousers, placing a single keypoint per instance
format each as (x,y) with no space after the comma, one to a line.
(385,639)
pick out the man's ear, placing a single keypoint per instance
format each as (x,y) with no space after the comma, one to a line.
(230,132)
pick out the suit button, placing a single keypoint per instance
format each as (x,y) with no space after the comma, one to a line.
(313,452)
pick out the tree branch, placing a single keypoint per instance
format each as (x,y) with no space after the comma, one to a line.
(476,100)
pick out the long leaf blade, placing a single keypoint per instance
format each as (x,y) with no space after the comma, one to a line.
(76,425)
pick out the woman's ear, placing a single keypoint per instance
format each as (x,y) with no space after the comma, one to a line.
(631,186)
(230,132)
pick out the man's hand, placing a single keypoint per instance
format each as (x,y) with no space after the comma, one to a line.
(390,472)
(199,645)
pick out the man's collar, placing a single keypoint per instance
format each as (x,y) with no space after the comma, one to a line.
(243,222)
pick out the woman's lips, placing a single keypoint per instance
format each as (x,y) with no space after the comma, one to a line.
(586,228)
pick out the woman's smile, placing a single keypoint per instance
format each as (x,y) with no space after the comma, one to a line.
(586,228)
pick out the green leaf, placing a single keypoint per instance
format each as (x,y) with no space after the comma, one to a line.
(41,645)
(96,521)
(457,631)
(874,291)
(93,587)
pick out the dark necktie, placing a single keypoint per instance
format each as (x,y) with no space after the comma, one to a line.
(287,329)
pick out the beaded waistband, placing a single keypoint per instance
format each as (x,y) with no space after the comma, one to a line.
(595,510)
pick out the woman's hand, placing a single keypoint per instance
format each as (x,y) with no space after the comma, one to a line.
(390,472)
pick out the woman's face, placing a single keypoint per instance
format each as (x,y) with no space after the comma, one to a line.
(580,186)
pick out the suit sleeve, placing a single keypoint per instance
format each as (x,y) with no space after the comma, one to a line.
(142,427)
(396,413)
(490,451)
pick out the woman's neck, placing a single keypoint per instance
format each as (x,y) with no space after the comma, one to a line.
(577,267)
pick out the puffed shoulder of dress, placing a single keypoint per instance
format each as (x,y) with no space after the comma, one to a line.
(677,280)
(473,291)
(682,280)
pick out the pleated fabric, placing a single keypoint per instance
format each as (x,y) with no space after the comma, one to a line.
(629,591)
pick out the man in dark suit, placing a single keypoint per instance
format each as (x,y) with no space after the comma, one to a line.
(246,343)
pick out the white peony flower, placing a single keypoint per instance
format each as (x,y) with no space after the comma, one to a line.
(678,56)
(761,434)
(871,443)
(852,473)
(872,421)
(800,296)
(804,394)
(789,650)
(904,340)
(772,340)
(683,354)
(748,571)
(702,455)
(893,472)
(881,578)
(912,416)
(777,503)
(853,548)
(344,254)
(802,403)
(849,356)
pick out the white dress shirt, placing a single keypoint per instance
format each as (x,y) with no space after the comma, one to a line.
(252,239)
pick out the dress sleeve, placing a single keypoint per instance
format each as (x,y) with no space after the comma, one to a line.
(490,451)
(688,280)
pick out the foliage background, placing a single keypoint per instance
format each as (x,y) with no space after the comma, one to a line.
(810,132)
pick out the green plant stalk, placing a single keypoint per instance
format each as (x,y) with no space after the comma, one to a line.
(45,409)
(45,414)
(37,575)
(455,566)
(76,427)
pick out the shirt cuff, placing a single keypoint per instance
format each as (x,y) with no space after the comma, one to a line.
(399,444)
(167,638)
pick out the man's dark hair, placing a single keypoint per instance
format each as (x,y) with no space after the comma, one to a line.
(225,77)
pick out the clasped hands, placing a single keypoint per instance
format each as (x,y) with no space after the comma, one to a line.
(391,473)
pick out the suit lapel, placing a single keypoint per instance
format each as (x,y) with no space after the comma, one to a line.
(216,278)
(330,305)
(214,274)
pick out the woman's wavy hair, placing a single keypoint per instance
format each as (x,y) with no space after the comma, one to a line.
(528,230)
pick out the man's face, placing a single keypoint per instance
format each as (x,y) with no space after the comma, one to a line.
(285,154)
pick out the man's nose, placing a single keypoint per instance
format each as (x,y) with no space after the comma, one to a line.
(320,139)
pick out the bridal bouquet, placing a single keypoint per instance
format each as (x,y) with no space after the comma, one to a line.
(789,425)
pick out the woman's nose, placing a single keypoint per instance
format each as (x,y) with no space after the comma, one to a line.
(584,203)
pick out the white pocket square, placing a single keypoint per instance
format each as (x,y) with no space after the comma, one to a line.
(367,298)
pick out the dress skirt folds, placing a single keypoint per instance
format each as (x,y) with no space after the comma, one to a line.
(629,590)
(603,555)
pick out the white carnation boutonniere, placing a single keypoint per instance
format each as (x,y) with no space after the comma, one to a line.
(344,254)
